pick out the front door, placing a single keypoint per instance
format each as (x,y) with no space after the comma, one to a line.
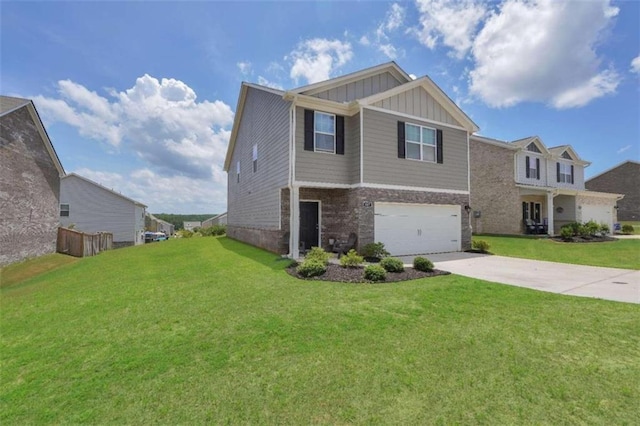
(309,229)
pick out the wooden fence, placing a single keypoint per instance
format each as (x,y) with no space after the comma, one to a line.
(79,244)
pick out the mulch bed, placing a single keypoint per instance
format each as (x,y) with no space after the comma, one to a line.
(585,240)
(337,273)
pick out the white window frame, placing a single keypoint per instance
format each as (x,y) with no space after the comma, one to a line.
(238,171)
(533,170)
(565,175)
(68,210)
(315,132)
(421,143)
(255,158)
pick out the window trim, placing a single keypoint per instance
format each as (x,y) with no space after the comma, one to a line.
(68,210)
(421,143)
(315,122)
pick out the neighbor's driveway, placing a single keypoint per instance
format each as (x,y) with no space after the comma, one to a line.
(622,285)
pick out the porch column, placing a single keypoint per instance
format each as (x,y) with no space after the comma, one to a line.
(550,211)
(294,222)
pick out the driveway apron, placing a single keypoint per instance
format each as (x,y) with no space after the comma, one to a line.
(622,285)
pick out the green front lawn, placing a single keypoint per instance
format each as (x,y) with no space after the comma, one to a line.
(615,254)
(209,330)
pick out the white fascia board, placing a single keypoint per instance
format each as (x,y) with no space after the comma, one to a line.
(413,117)
(324,105)
(494,142)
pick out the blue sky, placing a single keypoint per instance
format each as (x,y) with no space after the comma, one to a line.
(140,96)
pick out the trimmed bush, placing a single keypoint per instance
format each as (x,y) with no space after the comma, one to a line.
(374,250)
(604,229)
(311,268)
(480,245)
(392,264)
(184,233)
(422,264)
(566,233)
(351,260)
(375,273)
(592,228)
(627,229)
(318,254)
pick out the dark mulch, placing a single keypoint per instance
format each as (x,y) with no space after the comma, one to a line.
(356,275)
(585,239)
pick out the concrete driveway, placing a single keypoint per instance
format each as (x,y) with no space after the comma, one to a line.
(621,285)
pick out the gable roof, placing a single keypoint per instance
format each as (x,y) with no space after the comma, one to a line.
(10,104)
(525,142)
(103,187)
(637,163)
(557,152)
(390,67)
(432,89)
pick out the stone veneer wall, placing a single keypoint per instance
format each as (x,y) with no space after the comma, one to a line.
(493,190)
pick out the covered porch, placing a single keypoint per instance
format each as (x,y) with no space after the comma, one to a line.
(545,211)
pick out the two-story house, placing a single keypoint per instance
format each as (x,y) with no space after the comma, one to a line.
(520,182)
(373,153)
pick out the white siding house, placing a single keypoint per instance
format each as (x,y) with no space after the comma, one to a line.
(91,207)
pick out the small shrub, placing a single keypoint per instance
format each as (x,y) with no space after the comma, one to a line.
(627,229)
(422,264)
(604,229)
(566,233)
(575,228)
(311,268)
(584,232)
(592,228)
(184,233)
(375,273)
(374,250)
(480,245)
(318,254)
(219,229)
(392,264)
(351,260)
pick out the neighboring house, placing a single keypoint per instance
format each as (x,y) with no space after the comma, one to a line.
(524,181)
(29,183)
(153,224)
(91,208)
(373,153)
(190,226)
(624,179)
(220,219)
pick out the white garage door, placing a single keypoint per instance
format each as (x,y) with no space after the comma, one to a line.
(598,213)
(417,228)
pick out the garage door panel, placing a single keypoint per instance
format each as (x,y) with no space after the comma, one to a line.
(418,228)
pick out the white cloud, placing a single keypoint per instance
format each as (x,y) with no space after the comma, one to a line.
(389,50)
(364,40)
(542,51)
(394,19)
(635,65)
(451,22)
(623,149)
(175,194)
(264,82)
(160,120)
(244,67)
(317,59)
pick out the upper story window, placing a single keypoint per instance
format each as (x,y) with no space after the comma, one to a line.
(325,132)
(255,158)
(421,142)
(532,167)
(565,173)
(532,147)
(64,210)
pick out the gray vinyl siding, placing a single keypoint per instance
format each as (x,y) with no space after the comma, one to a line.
(255,201)
(382,165)
(360,89)
(324,167)
(417,102)
(95,209)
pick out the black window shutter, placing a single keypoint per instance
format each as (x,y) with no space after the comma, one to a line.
(538,168)
(339,134)
(525,211)
(439,145)
(401,140)
(558,172)
(526,165)
(308,130)
(572,173)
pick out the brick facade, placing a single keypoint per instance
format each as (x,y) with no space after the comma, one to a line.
(494,195)
(29,190)
(624,179)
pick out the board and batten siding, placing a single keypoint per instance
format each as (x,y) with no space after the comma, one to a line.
(254,202)
(325,167)
(360,89)
(95,209)
(382,165)
(418,103)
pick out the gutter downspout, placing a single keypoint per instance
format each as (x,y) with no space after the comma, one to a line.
(294,197)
